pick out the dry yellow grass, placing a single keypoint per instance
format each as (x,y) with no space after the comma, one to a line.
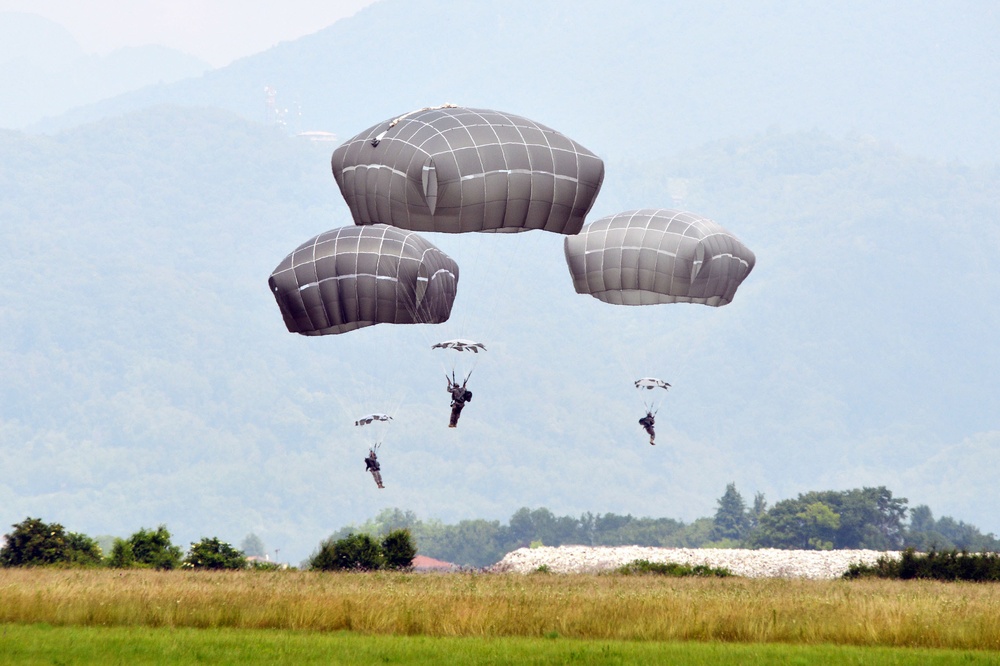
(886,613)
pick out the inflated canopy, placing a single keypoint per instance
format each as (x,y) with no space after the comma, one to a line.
(650,256)
(454,169)
(371,418)
(352,277)
(461,345)
(651,383)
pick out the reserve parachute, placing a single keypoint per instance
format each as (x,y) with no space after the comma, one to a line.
(351,277)
(453,169)
(651,383)
(652,256)
(372,418)
(461,345)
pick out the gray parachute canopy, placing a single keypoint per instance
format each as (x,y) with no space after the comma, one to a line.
(461,345)
(371,418)
(352,277)
(650,256)
(454,169)
(651,383)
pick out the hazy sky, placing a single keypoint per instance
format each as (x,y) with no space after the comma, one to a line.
(217,31)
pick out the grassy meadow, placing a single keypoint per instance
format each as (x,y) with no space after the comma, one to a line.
(620,617)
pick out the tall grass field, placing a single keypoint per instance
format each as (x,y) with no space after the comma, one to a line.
(576,612)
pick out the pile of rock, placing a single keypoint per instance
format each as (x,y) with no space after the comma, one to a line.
(764,563)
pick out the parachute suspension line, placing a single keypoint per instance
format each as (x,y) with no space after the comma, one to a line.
(378,139)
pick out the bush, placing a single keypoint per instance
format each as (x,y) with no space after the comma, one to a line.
(121,556)
(671,569)
(948,565)
(210,553)
(361,552)
(355,551)
(398,550)
(34,543)
(152,548)
(81,550)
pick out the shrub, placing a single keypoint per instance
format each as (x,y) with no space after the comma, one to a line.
(948,565)
(361,552)
(671,569)
(121,556)
(355,551)
(210,553)
(81,550)
(152,548)
(34,543)
(398,550)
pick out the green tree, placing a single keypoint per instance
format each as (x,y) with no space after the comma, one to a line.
(82,550)
(34,543)
(211,553)
(759,509)
(152,548)
(356,551)
(791,524)
(121,556)
(867,518)
(821,523)
(731,520)
(398,550)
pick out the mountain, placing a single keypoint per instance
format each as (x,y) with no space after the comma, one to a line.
(655,77)
(148,377)
(44,71)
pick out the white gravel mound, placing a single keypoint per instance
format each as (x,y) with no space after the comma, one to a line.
(764,563)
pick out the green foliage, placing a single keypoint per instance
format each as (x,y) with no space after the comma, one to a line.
(353,552)
(671,569)
(362,552)
(951,566)
(152,548)
(860,518)
(82,550)
(731,519)
(34,543)
(927,534)
(398,550)
(122,556)
(210,553)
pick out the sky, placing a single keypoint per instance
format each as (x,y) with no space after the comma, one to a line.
(217,31)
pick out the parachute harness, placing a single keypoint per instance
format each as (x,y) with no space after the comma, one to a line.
(378,139)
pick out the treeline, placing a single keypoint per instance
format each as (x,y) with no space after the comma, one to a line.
(862,518)
(36,543)
(934,565)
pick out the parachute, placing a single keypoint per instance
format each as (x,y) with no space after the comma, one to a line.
(454,169)
(651,402)
(351,277)
(371,418)
(652,256)
(651,383)
(461,345)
